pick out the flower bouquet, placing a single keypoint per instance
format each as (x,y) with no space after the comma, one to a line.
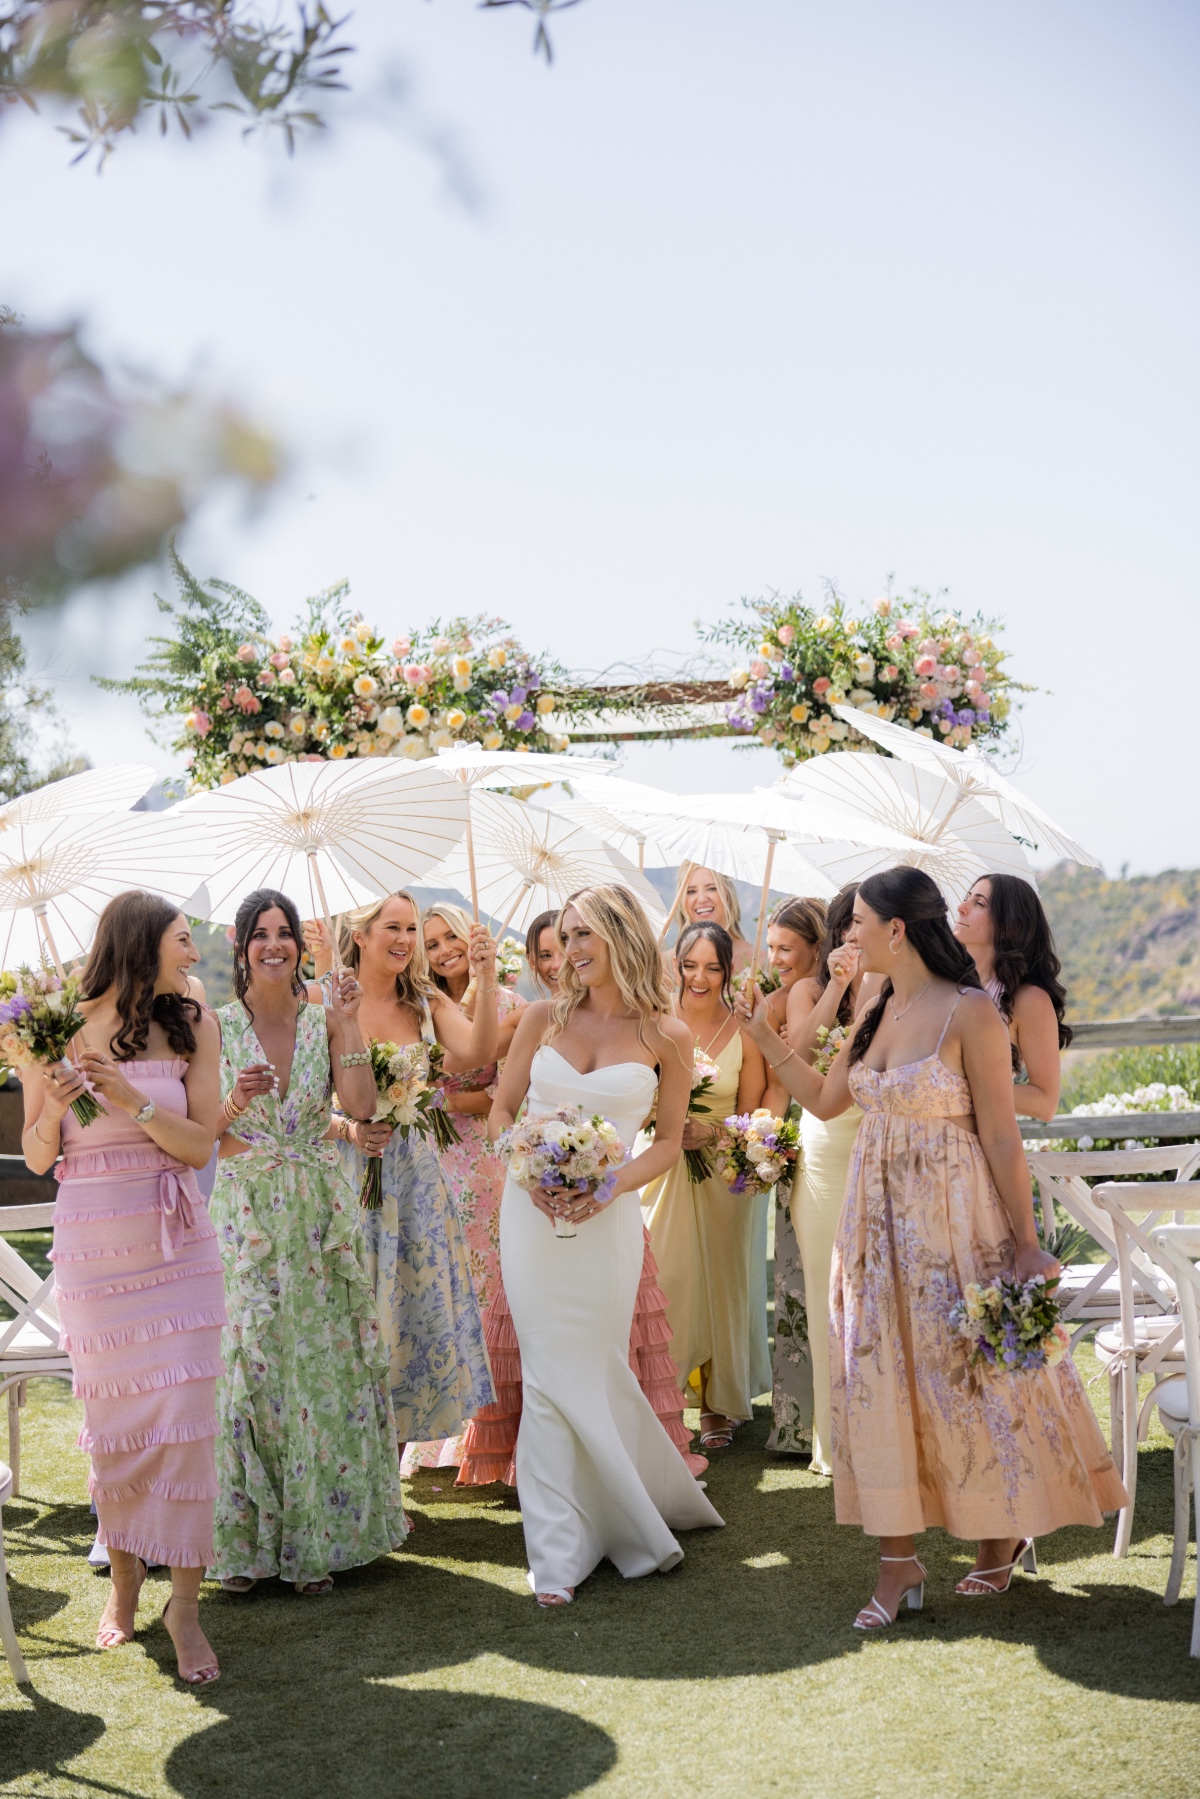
(1011,1325)
(510,960)
(766,980)
(408,1101)
(39,1015)
(565,1148)
(704,1073)
(757,1150)
(830,1041)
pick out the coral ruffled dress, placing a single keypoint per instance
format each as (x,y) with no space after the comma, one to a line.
(141,1298)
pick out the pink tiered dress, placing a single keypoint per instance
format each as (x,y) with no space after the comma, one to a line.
(141,1297)
(919,1437)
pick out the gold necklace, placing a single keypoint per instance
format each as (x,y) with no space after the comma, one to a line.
(912,1002)
(706,1049)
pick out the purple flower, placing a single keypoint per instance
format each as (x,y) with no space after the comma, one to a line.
(499,700)
(517,696)
(526,722)
(758,701)
(966,716)
(533,681)
(786,672)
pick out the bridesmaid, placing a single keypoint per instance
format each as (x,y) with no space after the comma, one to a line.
(705,897)
(938,1197)
(830,997)
(596,1474)
(701,1232)
(138,1274)
(794,938)
(416,1250)
(543,953)
(309,1477)
(473,1173)
(1003,925)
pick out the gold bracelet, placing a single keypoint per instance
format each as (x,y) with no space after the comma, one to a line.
(231,1109)
(774,1065)
(48,1141)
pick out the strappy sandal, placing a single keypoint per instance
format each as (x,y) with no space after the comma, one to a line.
(986,1587)
(721,1437)
(556,1596)
(316,1589)
(877,1617)
(239,1583)
(111,1636)
(199,1677)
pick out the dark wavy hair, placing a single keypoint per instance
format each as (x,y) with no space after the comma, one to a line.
(839,916)
(263,899)
(722,942)
(909,894)
(124,957)
(545,921)
(1023,947)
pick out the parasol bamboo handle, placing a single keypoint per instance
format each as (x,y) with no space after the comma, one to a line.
(39,913)
(471,854)
(674,907)
(526,884)
(762,905)
(315,871)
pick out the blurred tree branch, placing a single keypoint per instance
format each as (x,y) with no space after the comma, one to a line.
(115,61)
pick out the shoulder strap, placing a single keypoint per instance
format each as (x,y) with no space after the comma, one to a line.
(946,1026)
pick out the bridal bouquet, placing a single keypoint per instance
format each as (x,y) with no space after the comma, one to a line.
(757,1150)
(510,960)
(565,1148)
(406,1099)
(829,1045)
(1011,1325)
(766,980)
(39,1015)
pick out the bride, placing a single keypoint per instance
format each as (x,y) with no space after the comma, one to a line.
(597,1475)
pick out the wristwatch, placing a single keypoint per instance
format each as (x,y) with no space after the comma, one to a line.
(146,1114)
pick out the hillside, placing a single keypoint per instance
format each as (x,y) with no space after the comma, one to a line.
(1130,948)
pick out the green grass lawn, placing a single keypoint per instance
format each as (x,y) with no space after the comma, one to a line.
(433,1673)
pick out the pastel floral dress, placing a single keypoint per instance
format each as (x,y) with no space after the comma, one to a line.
(475,1177)
(308,1476)
(417,1261)
(919,1437)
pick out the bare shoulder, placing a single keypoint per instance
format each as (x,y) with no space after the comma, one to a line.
(1033,1005)
(803,996)
(208,1033)
(534,1019)
(674,1031)
(977,1013)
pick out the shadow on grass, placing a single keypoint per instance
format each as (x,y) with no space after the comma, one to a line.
(42,1739)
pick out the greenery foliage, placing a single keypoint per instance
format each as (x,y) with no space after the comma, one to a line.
(1129,947)
(912,662)
(1124,1070)
(23,705)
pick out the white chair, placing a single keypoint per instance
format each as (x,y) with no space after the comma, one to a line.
(8,1635)
(30,1342)
(1178,1402)
(1139,1344)
(1089,1293)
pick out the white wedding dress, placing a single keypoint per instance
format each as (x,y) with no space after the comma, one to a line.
(597,1475)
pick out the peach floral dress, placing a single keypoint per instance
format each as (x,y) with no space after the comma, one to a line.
(919,1438)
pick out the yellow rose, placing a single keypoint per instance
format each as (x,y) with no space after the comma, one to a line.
(321,730)
(418,717)
(497,658)
(462,683)
(798,714)
(546,703)
(456,718)
(227,777)
(366,687)
(274,754)
(492,740)
(560,743)
(298,725)
(362,632)
(338,752)
(348,646)
(461,668)
(513,712)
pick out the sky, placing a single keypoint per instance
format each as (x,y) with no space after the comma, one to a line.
(738,296)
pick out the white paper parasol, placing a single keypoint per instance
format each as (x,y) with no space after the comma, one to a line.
(331,835)
(474,767)
(528,860)
(95,790)
(975,776)
(626,815)
(57,876)
(959,839)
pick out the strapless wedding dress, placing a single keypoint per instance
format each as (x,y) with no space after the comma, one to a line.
(597,1475)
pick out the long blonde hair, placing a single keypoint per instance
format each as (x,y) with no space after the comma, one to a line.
(414,985)
(726,891)
(616,916)
(459,923)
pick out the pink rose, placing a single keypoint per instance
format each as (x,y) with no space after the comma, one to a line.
(285,644)
(906,629)
(246,700)
(266,677)
(929,690)
(278,660)
(951,673)
(199,722)
(224,704)
(822,684)
(894,642)
(758,670)
(400,648)
(415,674)
(926,665)
(890,672)
(247,653)
(786,633)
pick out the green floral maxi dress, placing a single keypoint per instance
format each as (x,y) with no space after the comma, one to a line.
(306,1451)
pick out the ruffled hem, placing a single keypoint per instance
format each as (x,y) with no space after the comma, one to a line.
(207,1318)
(96,1443)
(194,1234)
(178,1490)
(176,1376)
(161,1555)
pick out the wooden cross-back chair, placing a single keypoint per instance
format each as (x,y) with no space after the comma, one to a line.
(31,1341)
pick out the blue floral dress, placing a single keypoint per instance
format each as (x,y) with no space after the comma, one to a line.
(309,1478)
(417,1260)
